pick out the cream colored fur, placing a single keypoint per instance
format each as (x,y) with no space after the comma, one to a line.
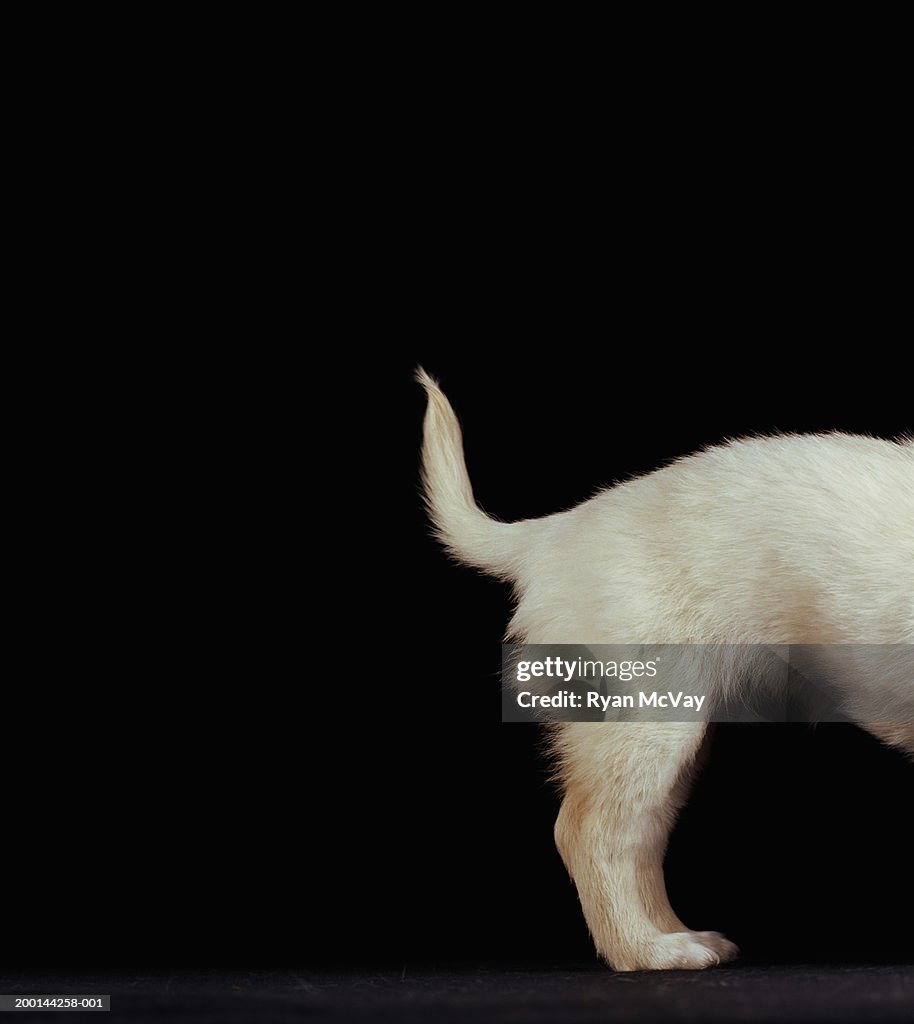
(778,540)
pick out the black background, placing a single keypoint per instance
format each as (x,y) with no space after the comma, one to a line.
(232,732)
(266,706)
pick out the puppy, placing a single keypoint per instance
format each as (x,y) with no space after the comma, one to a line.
(778,540)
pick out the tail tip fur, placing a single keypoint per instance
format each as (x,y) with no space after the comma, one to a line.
(426,379)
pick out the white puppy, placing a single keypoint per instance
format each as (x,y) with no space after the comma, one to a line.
(780,540)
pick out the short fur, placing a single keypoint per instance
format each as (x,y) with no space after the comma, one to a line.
(776,540)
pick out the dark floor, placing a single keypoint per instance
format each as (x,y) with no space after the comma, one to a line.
(483,995)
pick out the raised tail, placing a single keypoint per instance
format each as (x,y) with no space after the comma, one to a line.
(460,524)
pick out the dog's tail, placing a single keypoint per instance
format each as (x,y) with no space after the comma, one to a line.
(460,524)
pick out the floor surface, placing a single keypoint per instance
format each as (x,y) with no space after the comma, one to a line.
(486,995)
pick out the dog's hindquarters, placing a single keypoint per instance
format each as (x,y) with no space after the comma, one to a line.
(623,784)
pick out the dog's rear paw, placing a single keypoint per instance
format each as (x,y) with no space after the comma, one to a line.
(720,944)
(678,951)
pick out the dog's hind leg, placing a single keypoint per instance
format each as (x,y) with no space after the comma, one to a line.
(624,783)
